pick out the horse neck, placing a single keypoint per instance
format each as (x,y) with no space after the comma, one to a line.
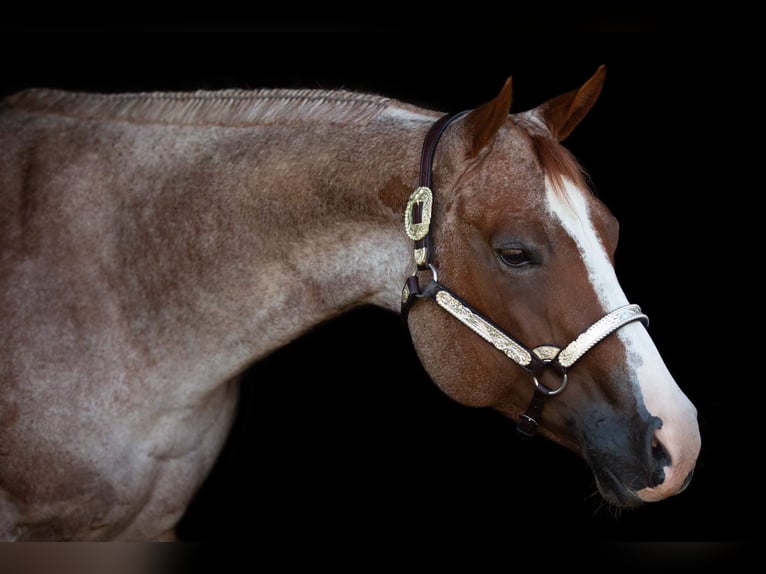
(310,225)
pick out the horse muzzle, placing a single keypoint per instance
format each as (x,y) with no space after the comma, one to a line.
(634,464)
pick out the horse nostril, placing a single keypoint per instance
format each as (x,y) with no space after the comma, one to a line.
(660,459)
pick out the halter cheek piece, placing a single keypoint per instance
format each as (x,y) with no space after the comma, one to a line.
(417,219)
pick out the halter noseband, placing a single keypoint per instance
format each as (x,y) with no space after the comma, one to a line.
(417,219)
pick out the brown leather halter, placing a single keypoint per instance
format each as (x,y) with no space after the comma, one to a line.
(417,220)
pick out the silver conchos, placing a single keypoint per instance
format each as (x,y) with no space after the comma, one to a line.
(546,353)
(417,231)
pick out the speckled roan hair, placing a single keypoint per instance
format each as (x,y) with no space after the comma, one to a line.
(152,246)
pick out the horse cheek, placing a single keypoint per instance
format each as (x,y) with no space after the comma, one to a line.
(455,365)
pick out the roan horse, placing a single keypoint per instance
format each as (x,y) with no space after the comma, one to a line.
(152,246)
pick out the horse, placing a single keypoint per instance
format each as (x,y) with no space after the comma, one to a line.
(153,245)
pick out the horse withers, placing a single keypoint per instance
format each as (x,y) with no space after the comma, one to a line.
(154,245)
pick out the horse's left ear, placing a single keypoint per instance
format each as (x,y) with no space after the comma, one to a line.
(562,114)
(483,122)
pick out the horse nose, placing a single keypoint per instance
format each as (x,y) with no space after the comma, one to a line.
(658,455)
(660,460)
(672,454)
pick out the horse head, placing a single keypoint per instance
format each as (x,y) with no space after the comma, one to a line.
(524,253)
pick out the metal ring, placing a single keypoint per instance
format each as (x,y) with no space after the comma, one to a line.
(555,392)
(433,272)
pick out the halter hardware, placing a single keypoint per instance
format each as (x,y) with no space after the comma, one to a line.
(417,220)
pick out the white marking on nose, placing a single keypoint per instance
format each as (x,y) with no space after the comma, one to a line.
(661,395)
(571,209)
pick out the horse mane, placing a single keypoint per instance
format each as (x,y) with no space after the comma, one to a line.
(233,107)
(241,108)
(559,164)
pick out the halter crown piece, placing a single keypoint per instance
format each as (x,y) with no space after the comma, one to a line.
(417,220)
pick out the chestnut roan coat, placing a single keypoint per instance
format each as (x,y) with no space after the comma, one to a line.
(152,246)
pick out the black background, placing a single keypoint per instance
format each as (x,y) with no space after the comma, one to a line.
(341,436)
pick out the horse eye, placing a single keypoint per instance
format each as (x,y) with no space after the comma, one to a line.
(514,257)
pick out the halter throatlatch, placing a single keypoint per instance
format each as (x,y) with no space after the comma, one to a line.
(417,220)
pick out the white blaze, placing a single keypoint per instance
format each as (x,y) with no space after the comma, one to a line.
(659,392)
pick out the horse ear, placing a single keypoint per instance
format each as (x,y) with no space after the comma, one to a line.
(483,122)
(562,114)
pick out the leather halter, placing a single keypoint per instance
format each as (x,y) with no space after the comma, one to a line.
(417,219)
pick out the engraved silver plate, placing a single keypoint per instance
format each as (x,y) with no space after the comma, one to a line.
(546,352)
(484,329)
(420,256)
(600,329)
